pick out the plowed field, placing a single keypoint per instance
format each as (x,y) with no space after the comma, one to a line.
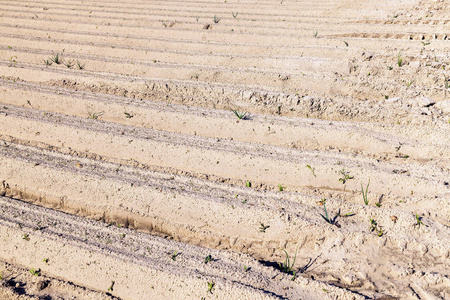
(225,149)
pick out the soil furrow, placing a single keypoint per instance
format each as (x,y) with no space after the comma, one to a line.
(126,207)
(268,164)
(108,254)
(371,139)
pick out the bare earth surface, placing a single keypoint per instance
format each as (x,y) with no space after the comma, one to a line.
(125,174)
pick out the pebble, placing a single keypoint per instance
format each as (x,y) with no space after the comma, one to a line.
(444,106)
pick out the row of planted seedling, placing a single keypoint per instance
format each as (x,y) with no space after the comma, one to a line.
(58,58)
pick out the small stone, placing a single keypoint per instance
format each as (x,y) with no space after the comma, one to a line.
(444,106)
(424,111)
(392,100)
(422,102)
(436,64)
(349,279)
(247,94)
(415,64)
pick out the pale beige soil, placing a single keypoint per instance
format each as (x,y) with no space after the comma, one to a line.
(130,171)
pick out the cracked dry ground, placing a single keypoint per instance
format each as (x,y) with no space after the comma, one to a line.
(125,174)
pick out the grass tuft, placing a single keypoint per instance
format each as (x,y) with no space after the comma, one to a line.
(399,59)
(240,114)
(364,193)
(419,221)
(57,58)
(345,176)
(288,267)
(312,170)
(80,66)
(35,272)
(208,259)
(211,286)
(327,218)
(374,227)
(263,228)
(68,63)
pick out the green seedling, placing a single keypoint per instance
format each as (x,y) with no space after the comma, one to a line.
(248,184)
(322,201)
(69,63)
(345,176)
(373,224)
(57,58)
(128,115)
(263,228)
(174,255)
(399,59)
(350,214)
(409,82)
(48,62)
(295,276)
(287,266)
(234,15)
(346,44)
(246,268)
(374,227)
(280,187)
(316,34)
(364,193)
(45,260)
(426,43)
(95,115)
(211,286)
(80,66)
(111,287)
(240,114)
(327,218)
(26,237)
(35,272)
(208,259)
(12,61)
(312,170)
(418,221)
(216,19)
(378,204)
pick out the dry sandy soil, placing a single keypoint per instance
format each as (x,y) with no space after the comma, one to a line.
(125,174)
